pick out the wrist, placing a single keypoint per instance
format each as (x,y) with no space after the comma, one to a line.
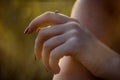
(100,60)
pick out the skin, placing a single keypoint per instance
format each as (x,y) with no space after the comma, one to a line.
(84,44)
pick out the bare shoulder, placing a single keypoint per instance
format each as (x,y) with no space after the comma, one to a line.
(102,18)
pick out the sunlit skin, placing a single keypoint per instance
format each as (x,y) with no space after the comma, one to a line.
(82,44)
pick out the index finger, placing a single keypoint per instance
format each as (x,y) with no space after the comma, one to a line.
(50,18)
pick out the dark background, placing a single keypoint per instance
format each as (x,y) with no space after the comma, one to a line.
(16,49)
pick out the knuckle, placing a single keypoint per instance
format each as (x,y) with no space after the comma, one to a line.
(48,12)
(73,39)
(47,45)
(42,32)
(74,28)
(53,55)
(73,24)
(73,32)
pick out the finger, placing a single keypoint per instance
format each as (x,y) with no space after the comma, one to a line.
(57,53)
(47,18)
(49,45)
(45,34)
(48,32)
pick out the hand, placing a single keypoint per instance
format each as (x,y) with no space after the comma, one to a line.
(65,37)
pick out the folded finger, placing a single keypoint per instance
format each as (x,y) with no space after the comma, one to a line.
(45,34)
(57,53)
(51,44)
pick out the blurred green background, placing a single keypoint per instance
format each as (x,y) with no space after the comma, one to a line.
(16,49)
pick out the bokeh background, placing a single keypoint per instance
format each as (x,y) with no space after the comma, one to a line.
(16,49)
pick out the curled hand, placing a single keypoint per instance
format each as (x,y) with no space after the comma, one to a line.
(64,37)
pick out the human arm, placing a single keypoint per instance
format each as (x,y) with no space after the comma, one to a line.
(101,61)
(98,50)
(100,17)
(82,48)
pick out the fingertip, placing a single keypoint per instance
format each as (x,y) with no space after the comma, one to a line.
(56,70)
(26,30)
(48,69)
(54,64)
(37,57)
(45,59)
(37,52)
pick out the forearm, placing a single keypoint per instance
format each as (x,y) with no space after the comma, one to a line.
(96,16)
(101,61)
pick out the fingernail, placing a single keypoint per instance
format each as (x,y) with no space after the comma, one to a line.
(56,71)
(46,70)
(35,57)
(26,31)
